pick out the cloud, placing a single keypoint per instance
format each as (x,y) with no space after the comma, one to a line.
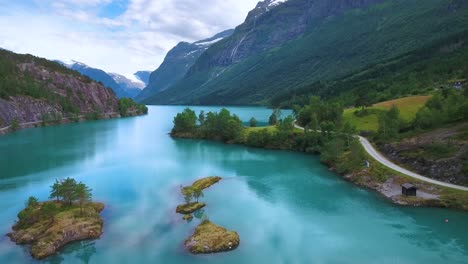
(117,36)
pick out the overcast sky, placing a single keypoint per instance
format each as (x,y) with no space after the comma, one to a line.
(121,36)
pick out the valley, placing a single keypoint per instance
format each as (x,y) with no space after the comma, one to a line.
(331,126)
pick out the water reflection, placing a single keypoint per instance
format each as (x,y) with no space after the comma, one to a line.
(82,251)
(36,150)
(286,207)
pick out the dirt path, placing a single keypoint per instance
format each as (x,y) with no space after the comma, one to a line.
(384,161)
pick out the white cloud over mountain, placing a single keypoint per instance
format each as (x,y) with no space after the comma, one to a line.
(117,36)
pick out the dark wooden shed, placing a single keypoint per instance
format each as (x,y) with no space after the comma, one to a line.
(408,189)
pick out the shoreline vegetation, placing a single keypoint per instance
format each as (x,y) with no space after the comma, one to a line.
(48,226)
(327,135)
(126,106)
(207,237)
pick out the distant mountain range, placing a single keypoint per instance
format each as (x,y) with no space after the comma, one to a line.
(307,46)
(176,64)
(122,86)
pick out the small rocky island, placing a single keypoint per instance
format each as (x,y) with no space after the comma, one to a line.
(189,208)
(195,191)
(48,226)
(208,237)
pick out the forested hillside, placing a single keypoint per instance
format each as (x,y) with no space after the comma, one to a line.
(35,90)
(301,46)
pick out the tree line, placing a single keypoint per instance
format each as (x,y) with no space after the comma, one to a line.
(325,132)
(213,125)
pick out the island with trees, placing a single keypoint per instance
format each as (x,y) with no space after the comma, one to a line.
(208,237)
(70,216)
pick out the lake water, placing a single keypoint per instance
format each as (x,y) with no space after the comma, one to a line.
(286,207)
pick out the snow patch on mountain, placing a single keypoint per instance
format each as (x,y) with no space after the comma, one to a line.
(130,81)
(277,2)
(208,43)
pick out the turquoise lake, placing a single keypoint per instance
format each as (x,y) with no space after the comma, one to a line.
(287,207)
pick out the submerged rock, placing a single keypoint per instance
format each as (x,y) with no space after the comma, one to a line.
(48,235)
(211,238)
(189,208)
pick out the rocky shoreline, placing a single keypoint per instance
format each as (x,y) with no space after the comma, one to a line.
(48,235)
(66,120)
(210,238)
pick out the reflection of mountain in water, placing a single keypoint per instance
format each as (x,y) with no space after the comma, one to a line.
(281,176)
(271,173)
(36,150)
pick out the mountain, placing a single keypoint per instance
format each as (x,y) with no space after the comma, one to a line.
(176,64)
(143,76)
(131,87)
(97,75)
(287,46)
(37,90)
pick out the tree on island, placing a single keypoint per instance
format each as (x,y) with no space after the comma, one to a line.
(55,192)
(49,209)
(190,193)
(197,193)
(69,191)
(185,122)
(253,122)
(83,194)
(32,202)
(187,193)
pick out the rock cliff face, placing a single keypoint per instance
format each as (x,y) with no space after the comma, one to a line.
(273,23)
(52,93)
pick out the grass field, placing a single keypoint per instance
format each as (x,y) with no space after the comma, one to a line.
(408,107)
(270,129)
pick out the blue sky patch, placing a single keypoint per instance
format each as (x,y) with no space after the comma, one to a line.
(113,9)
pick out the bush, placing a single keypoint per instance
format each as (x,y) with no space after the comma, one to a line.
(185,122)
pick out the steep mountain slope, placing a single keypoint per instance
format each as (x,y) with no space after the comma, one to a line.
(131,87)
(299,42)
(143,76)
(176,64)
(99,76)
(37,90)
